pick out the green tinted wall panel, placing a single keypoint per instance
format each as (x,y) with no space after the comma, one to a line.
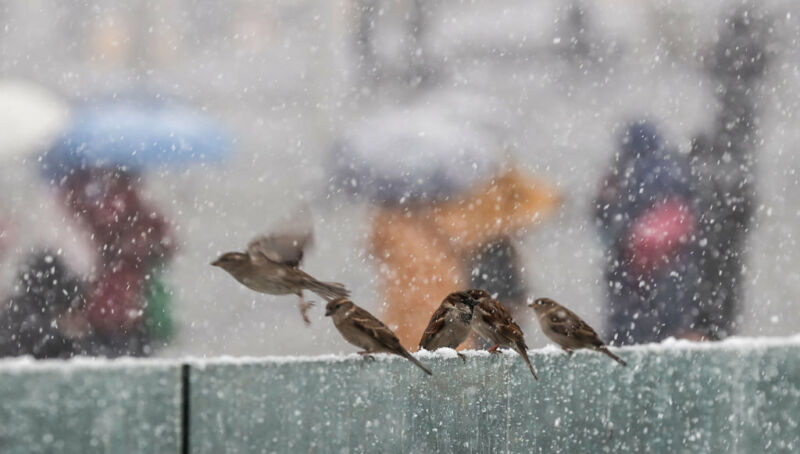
(90,406)
(741,396)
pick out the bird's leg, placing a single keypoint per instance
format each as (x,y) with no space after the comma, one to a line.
(493,349)
(304,307)
(367,356)
(568,350)
(463,358)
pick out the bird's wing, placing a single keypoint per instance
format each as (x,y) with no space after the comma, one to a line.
(513,332)
(284,248)
(367,323)
(500,320)
(434,326)
(565,322)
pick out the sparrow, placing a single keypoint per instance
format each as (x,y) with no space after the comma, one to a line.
(568,330)
(271,266)
(450,324)
(492,321)
(363,330)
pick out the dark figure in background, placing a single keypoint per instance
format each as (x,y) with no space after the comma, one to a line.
(44,318)
(723,171)
(123,310)
(647,223)
(410,68)
(497,269)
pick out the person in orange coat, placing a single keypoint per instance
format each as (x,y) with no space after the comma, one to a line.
(426,252)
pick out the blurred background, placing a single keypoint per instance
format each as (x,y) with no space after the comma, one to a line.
(219,119)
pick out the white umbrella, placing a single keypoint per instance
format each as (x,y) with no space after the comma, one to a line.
(434,148)
(30,118)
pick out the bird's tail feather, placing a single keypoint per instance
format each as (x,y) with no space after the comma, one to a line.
(327,290)
(411,358)
(612,356)
(522,350)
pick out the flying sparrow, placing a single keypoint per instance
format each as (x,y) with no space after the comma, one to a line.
(492,321)
(568,330)
(450,324)
(270,266)
(363,330)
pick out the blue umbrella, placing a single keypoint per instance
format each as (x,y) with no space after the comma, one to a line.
(135,137)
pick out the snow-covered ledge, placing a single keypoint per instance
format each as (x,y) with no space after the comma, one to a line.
(741,395)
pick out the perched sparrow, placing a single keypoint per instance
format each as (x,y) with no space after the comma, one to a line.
(271,266)
(363,330)
(568,330)
(450,324)
(493,322)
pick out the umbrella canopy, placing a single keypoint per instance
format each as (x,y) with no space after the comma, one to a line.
(427,151)
(135,137)
(30,118)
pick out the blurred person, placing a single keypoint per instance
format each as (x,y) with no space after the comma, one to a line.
(127,302)
(426,252)
(446,211)
(723,168)
(648,223)
(45,317)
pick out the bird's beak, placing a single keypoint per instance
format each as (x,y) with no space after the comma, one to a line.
(215,263)
(328,312)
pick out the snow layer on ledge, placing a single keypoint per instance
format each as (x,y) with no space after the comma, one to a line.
(28,363)
(670,345)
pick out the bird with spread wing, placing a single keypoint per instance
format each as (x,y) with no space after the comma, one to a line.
(271,265)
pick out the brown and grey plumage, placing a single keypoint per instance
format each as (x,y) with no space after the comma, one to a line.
(566,329)
(363,330)
(492,321)
(271,266)
(450,323)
